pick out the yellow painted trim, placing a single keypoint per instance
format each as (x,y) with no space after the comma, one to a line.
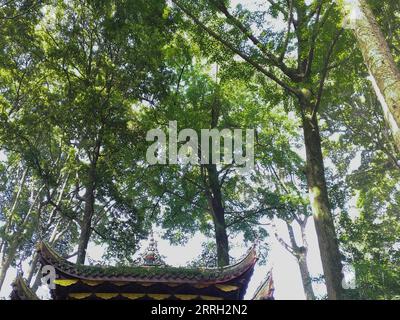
(210,298)
(65,282)
(119,283)
(79,295)
(106,295)
(226,287)
(173,285)
(146,284)
(201,286)
(186,296)
(133,296)
(92,283)
(158,296)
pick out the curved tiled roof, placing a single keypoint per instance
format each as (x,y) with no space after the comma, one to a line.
(148,273)
(266,289)
(21,290)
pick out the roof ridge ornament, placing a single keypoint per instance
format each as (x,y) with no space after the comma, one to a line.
(151,256)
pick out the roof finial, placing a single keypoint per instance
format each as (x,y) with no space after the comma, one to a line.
(151,256)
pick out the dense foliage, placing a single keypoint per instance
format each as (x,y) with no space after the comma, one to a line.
(82,82)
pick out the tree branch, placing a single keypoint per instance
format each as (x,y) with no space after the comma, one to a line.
(325,71)
(271,58)
(231,47)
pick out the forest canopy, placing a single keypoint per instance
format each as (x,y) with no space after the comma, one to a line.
(307,91)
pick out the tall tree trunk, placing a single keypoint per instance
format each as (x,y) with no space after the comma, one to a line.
(305,276)
(388,116)
(214,193)
(86,224)
(302,260)
(319,200)
(380,62)
(214,196)
(221,237)
(300,253)
(16,240)
(33,267)
(54,235)
(38,281)
(6,263)
(89,198)
(13,207)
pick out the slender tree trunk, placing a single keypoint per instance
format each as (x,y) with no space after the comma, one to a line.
(214,193)
(33,267)
(318,193)
(16,240)
(305,276)
(86,223)
(388,116)
(36,284)
(218,213)
(9,257)
(300,252)
(13,207)
(380,63)
(21,185)
(2,244)
(221,237)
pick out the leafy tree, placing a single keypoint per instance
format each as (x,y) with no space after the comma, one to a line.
(82,83)
(370,237)
(298,60)
(192,197)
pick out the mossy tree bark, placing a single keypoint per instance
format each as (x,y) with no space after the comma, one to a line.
(380,63)
(319,200)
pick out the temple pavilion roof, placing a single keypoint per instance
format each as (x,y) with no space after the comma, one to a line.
(150,281)
(21,291)
(265,290)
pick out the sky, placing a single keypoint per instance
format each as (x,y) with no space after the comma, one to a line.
(284,267)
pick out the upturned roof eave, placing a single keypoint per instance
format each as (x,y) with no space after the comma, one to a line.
(172,274)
